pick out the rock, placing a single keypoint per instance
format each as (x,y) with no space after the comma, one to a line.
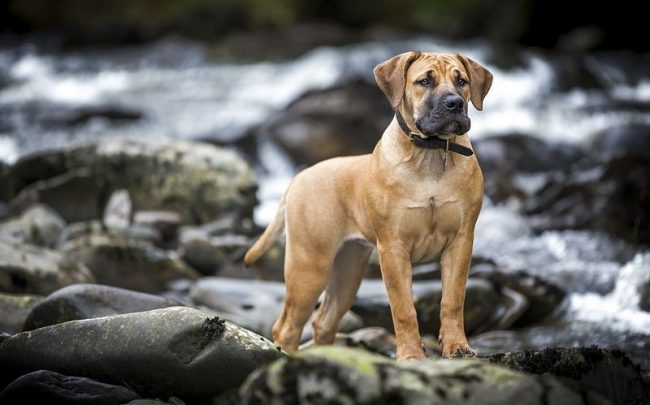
(622,141)
(484,307)
(219,246)
(373,339)
(14,309)
(49,387)
(125,262)
(38,225)
(83,301)
(35,167)
(542,297)
(612,197)
(508,162)
(27,269)
(75,195)
(166,222)
(353,376)
(119,210)
(609,373)
(521,153)
(83,230)
(208,253)
(201,182)
(253,304)
(344,120)
(166,352)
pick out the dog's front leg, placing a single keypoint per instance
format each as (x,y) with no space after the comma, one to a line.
(395,264)
(455,261)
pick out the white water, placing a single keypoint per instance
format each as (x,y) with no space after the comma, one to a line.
(182,94)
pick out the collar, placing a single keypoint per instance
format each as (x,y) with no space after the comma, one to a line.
(431,142)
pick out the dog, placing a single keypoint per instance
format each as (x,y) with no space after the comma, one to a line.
(415,198)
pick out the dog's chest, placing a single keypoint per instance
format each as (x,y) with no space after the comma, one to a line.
(430,220)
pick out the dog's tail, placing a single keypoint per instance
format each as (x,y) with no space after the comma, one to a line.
(270,235)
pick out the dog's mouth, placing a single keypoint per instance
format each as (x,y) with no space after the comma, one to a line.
(444,127)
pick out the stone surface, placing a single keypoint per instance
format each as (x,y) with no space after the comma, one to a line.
(27,269)
(609,373)
(512,163)
(542,298)
(14,309)
(83,301)
(201,182)
(166,222)
(622,141)
(253,304)
(49,387)
(121,261)
(344,120)
(484,307)
(352,376)
(611,196)
(38,225)
(161,353)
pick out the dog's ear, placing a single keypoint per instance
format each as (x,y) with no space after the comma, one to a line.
(391,76)
(480,80)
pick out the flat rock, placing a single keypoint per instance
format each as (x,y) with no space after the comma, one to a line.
(84,301)
(49,387)
(27,269)
(161,353)
(130,263)
(352,376)
(14,309)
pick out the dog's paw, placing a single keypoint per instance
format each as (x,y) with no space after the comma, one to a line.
(457,350)
(411,353)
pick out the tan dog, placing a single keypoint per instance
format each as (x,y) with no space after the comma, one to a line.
(415,198)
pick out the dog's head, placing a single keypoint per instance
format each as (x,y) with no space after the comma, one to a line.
(434,89)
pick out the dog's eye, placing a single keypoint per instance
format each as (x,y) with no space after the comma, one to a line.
(461,81)
(425,82)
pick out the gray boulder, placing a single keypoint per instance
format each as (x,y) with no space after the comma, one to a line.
(38,225)
(14,309)
(129,262)
(201,182)
(166,352)
(339,375)
(485,308)
(49,387)
(542,297)
(27,269)
(83,301)
(253,304)
(344,120)
(610,373)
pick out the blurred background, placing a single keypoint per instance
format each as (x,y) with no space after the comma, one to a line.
(561,250)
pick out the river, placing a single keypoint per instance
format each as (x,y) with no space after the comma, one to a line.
(49,99)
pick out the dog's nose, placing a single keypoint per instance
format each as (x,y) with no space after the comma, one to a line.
(453,102)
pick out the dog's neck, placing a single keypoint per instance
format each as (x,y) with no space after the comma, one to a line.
(396,149)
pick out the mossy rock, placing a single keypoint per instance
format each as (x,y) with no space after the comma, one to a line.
(167,352)
(337,375)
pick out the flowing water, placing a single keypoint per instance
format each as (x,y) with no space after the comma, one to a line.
(174,89)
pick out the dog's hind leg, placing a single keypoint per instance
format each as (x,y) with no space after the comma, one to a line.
(306,274)
(347,272)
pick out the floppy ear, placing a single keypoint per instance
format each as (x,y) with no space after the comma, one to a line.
(480,80)
(391,76)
